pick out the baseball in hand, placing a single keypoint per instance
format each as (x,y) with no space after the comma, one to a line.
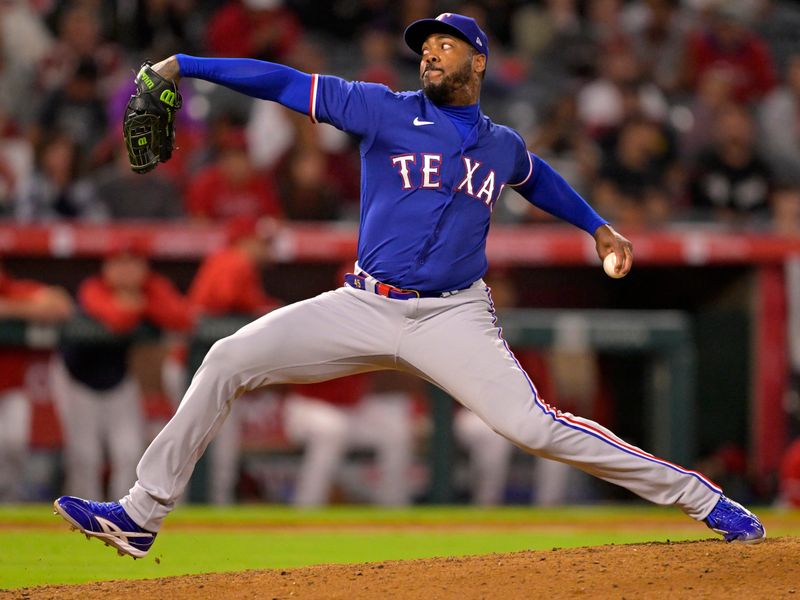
(609,262)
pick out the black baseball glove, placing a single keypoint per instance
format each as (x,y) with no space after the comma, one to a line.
(149,121)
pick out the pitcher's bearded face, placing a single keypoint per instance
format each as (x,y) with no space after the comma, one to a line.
(446,69)
(441,87)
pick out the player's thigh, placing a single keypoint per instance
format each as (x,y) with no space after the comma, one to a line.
(462,352)
(331,335)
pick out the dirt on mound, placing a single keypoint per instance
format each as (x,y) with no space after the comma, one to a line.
(704,569)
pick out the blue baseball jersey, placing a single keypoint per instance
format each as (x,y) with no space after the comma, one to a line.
(426,194)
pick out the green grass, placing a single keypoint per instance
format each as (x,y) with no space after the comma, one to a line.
(261,537)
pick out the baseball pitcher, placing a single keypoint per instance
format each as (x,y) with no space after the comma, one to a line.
(432,168)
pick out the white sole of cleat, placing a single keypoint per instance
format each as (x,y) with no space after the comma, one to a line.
(108,540)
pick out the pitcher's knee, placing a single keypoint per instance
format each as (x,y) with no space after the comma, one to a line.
(530,433)
(226,354)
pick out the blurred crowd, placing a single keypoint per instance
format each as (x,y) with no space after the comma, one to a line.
(658,111)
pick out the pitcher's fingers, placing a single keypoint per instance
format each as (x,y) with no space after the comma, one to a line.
(627,263)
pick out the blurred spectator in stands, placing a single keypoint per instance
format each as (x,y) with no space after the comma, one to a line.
(127,195)
(535,26)
(777,23)
(509,71)
(332,417)
(267,150)
(37,303)
(340,18)
(784,204)
(378,51)
(697,117)
(229,280)
(606,26)
(98,399)
(77,109)
(228,283)
(632,186)
(53,190)
(263,29)
(16,161)
(79,39)
(728,44)
(24,41)
(565,145)
(659,42)
(779,133)
(231,186)
(732,183)
(17,109)
(555,38)
(308,190)
(17,97)
(620,92)
(159,27)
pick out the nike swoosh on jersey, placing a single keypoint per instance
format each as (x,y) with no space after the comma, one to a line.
(417,122)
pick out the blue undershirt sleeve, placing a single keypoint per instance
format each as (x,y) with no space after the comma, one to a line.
(549,191)
(256,78)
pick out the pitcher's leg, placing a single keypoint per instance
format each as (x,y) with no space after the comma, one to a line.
(466,355)
(309,341)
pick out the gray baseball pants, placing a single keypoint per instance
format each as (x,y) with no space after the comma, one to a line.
(453,342)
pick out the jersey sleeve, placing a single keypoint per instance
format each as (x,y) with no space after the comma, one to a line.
(352,106)
(256,78)
(549,191)
(523,162)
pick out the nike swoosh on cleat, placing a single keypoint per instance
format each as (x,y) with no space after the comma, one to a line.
(417,122)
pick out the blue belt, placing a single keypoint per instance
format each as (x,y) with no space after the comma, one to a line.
(389,291)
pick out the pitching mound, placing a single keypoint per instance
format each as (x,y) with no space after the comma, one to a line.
(704,569)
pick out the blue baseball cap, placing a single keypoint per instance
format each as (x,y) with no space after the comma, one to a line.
(464,28)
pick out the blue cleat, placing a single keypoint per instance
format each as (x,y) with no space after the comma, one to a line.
(735,523)
(106,521)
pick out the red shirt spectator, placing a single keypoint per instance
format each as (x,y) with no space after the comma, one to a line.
(729,48)
(244,28)
(127,293)
(29,300)
(229,281)
(232,187)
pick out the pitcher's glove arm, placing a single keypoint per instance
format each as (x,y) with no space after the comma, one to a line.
(149,122)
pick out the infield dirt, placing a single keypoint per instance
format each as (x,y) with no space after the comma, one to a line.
(699,569)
